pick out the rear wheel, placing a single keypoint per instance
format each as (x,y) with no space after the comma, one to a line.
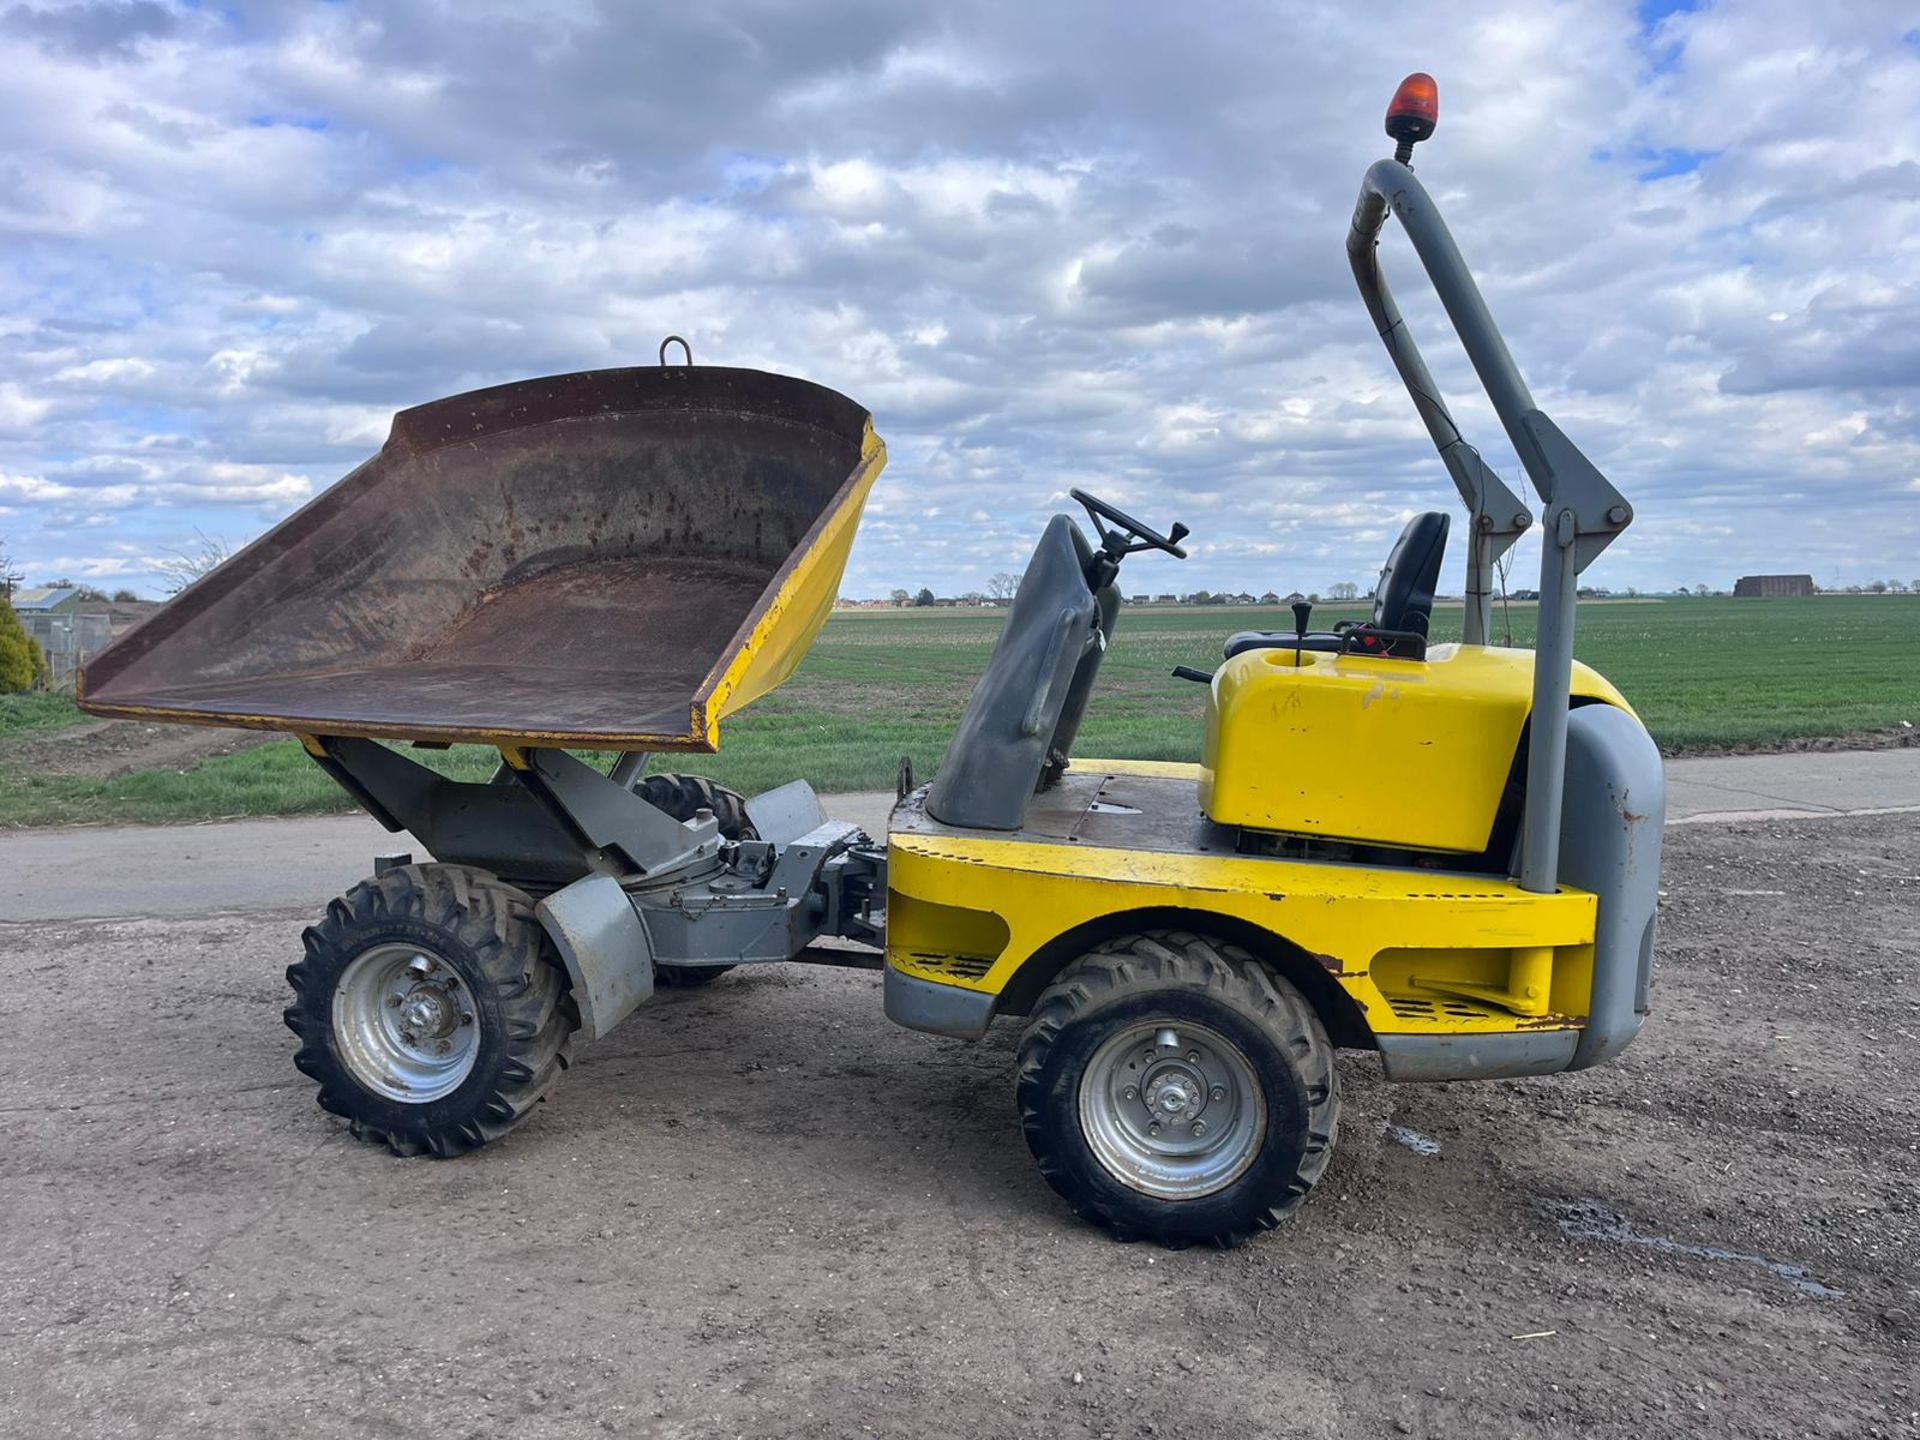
(681,795)
(429,1009)
(1174,1090)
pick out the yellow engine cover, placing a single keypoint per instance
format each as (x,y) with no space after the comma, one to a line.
(1409,753)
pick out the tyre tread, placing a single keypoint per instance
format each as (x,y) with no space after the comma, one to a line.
(1157,960)
(496,923)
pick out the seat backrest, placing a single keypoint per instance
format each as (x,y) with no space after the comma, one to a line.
(1045,656)
(1403,600)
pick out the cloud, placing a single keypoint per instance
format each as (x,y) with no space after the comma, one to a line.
(1048,246)
(95,31)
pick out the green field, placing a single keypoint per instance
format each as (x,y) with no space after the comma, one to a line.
(1705,674)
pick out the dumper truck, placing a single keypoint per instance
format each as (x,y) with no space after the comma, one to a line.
(1443,852)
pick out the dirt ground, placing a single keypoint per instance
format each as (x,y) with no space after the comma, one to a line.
(1904,736)
(105,749)
(760,1210)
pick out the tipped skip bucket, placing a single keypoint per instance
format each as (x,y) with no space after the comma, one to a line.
(613,559)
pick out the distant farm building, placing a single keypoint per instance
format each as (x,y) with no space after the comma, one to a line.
(1772,587)
(72,629)
(47,600)
(122,615)
(69,638)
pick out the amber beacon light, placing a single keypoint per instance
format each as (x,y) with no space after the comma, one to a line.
(1413,114)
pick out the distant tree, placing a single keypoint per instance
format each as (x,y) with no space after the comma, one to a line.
(10,578)
(20,660)
(1345,590)
(1002,586)
(182,567)
(1878,587)
(974,597)
(123,595)
(898,597)
(923,598)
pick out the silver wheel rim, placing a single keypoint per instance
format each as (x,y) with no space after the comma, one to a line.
(1172,1109)
(405,1024)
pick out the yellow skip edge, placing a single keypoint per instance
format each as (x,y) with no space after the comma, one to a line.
(786,628)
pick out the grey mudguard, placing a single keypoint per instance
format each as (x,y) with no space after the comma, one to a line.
(782,816)
(604,946)
(1610,834)
(1000,747)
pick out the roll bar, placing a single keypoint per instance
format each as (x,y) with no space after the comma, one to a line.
(1581,511)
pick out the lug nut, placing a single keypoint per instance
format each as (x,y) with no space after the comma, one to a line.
(1199,1128)
(1193,1057)
(1219,1092)
(1132,1092)
(1153,1128)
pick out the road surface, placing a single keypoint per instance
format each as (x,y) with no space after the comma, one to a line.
(238,865)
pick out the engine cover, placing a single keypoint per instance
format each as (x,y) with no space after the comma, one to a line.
(1411,753)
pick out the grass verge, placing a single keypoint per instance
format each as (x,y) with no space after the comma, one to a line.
(1705,674)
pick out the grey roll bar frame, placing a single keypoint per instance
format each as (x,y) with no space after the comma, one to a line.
(1581,510)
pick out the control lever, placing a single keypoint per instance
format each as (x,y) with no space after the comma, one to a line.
(1302,613)
(1187,672)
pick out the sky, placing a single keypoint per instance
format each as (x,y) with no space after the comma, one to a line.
(1092,244)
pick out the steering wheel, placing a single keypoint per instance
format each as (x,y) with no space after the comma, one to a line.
(1124,523)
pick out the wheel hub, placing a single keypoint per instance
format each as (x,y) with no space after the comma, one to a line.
(429,1013)
(1176,1094)
(1174,1111)
(403,1023)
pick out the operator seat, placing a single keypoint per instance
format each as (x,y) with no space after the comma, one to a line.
(1403,602)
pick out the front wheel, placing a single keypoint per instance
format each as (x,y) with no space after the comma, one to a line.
(429,1009)
(1174,1090)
